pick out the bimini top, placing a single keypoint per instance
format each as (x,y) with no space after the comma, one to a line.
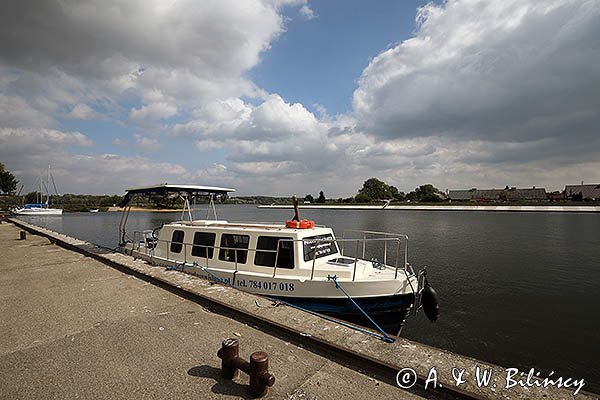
(164,189)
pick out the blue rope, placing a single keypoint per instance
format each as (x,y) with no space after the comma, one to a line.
(339,286)
(175,267)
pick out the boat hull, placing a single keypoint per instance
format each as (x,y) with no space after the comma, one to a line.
(389,312)
(38,211)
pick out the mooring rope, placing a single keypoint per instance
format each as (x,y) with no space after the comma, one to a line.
(339,286)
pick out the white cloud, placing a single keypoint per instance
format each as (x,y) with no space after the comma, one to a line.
(38,138)
(146,143)
(112,51)
(307,12)
(75,172)
(153,112)
(17,112)
(83,112)
(510,70)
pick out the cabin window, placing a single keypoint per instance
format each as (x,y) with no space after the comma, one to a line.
(285,258)
(319,246)
(230,245)
(177,241)
(203,244)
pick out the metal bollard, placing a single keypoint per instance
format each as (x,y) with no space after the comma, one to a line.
(22,235)
(257,368)
(230,350)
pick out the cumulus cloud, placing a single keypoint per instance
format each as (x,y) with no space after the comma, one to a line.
(498,89)
(139,62)
(108,51)
(154,111)
(307,12)
(146,143)
(82,111)
(17,112)
(76,172)
(140,142)
(510,70)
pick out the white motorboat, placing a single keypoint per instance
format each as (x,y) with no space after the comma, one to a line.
(298,262)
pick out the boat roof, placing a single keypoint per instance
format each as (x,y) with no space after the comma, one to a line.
(165,188)
(250,226)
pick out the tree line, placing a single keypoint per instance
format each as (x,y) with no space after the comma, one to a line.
(375,190)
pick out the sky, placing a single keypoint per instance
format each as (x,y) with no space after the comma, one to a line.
(281,97)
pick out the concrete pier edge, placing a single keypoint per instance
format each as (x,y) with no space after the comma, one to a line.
(339,343)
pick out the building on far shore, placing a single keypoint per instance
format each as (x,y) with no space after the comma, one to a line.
(591,192)
(506,194)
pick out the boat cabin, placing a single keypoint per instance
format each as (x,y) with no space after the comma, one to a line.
(259,248)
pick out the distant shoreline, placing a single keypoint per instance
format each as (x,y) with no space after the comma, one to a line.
(136,209)
(528,208)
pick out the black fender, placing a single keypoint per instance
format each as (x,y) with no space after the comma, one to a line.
(429,302)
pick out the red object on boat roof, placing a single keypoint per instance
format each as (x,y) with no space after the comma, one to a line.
(304,224)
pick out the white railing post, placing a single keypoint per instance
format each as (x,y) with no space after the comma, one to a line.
(276,259)
(364,244)
(385,240)
(355,259)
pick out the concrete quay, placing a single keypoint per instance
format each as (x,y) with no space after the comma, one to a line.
(79,321)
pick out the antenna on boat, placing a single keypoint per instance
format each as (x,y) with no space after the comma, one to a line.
(296,211)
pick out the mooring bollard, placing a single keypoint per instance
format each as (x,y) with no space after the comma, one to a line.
(22,235)
(257,368)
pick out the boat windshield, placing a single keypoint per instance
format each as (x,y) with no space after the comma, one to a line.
(319,246)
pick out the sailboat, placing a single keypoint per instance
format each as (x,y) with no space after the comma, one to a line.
(41,207)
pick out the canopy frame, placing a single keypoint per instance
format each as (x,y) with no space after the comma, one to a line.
(185,192)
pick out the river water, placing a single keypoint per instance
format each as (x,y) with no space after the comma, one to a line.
(516,289)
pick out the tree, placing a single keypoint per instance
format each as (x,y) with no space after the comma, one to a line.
(8,182)
(426,193)
(577,197)
(321,198)
(32,197)
(374,189)
(309,198)
(397,195)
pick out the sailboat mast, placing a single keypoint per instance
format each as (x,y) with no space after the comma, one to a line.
(39,197)
(48,186)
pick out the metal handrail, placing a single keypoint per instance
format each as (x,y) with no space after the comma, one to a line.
(139,235)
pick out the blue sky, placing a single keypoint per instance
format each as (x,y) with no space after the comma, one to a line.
(318,61)
(277,97)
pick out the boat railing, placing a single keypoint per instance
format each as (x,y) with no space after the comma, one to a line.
(394,248)
(367,236)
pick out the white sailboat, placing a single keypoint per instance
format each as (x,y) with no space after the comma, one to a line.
(41,207)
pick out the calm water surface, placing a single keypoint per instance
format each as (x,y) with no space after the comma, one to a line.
(516,289)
